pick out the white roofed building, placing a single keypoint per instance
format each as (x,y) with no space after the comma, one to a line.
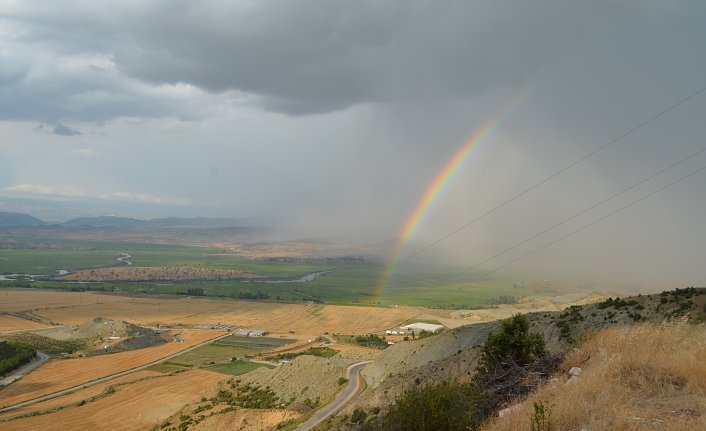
(418,326)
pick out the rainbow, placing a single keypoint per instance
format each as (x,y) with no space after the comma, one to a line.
(435,190)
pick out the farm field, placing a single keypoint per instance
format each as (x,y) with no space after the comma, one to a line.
(74,255)
(305,319)
(10,323)
(345,284)
(60,374)
(139,405)
(79,395)
(237,368)
(255,342)
(213,352)
(77,307)
(217,356)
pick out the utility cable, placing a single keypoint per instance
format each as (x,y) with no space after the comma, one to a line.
(597,204)
(555,174)
(586,226)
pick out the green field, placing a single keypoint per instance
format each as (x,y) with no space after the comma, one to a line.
(352,284)
(237,368)
(253,342)
(214,352)
(219,355)
(74,255)
(168,367)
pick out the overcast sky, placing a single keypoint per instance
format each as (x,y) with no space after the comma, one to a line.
(333,117)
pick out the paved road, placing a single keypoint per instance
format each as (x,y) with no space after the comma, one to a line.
(346,396)
(19,373)
(106,378)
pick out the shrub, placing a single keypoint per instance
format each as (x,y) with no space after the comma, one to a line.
(322,352)
(540,417)
(358,416)
(445,406)
(513,344)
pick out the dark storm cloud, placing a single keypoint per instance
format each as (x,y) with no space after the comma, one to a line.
(317,55)
(88,59)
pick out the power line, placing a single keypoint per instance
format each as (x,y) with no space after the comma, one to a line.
(555,174)
(586,226)
(597,204)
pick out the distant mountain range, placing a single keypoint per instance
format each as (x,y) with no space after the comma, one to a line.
(19,219)
(9,219)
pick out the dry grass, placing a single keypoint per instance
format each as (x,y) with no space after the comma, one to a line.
(246,420)
(644,377)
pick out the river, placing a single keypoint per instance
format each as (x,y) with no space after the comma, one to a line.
(308,277)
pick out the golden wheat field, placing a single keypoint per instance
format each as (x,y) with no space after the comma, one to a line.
(70,308)
(138,405)
(82,394)
(59,374)
(10,323)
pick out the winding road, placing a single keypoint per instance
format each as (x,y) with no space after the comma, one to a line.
(347,395)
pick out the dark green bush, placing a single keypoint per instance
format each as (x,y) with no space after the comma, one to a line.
(513,344)
(358,416)
(445,406)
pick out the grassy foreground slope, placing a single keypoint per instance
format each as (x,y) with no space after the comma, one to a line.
(641,349)
(633,378)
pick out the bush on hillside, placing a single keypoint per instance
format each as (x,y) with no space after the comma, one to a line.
(446,406)
(513,363)
(513,345)
(322,352)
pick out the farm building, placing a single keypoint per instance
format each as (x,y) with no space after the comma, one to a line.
(245,332)
(257,333)
(418,326)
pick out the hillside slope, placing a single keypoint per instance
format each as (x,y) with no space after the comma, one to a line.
(642,377)
(454,354)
